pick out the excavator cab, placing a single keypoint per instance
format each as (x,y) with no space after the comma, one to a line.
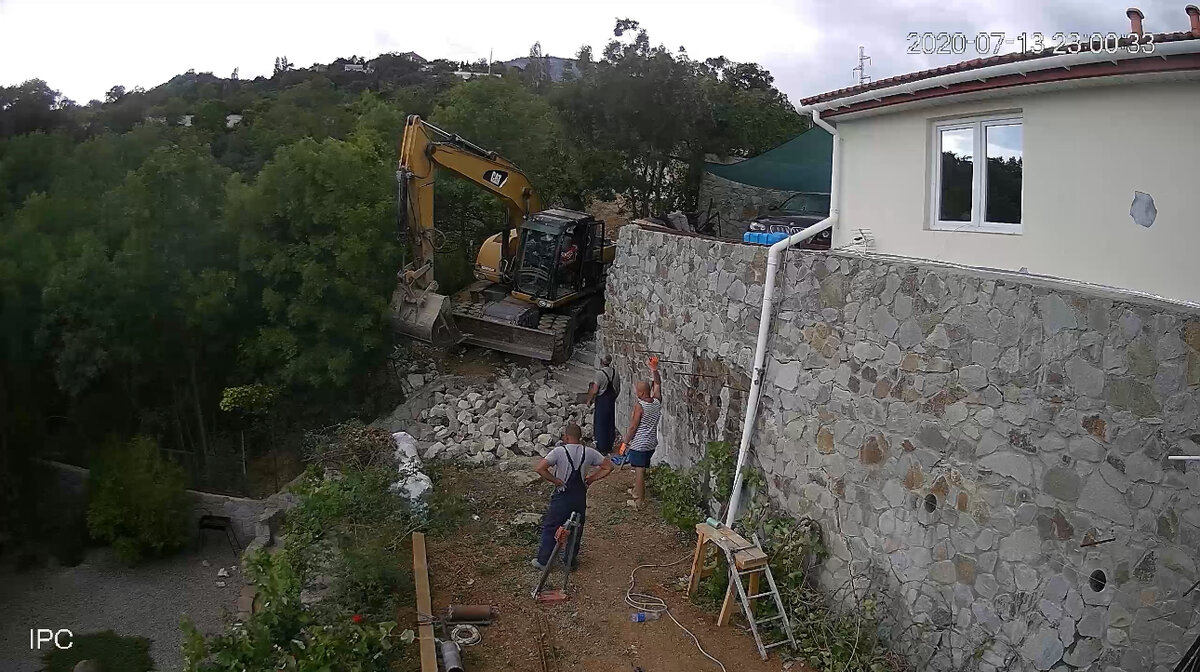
(557,257)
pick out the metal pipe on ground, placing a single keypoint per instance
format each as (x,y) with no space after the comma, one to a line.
(451,656)
(470,613)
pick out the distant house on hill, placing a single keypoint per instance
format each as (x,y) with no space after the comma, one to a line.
(466,74)
(556,67)
(414,57)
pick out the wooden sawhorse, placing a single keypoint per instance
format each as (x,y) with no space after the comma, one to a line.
(746,555)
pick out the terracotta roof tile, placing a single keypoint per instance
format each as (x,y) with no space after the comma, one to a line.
(973,64)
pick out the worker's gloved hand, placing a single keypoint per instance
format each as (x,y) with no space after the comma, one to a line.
(653,362)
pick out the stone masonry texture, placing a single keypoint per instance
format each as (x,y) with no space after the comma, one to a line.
(738,203)
(965,436)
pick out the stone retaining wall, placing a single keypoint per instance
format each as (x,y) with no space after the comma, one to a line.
(738,203)
(959,434)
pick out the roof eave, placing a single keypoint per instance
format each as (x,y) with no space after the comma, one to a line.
(880,92)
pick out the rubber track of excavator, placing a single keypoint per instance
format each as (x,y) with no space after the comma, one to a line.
(550,341)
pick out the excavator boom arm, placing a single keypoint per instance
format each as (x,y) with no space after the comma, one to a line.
(424,149)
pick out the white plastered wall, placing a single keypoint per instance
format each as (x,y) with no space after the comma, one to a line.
(1086,150)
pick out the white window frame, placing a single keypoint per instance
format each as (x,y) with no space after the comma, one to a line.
(979,175)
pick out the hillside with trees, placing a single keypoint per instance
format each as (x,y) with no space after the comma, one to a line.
(208,263)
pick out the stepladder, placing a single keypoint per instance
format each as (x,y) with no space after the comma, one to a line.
(747,565)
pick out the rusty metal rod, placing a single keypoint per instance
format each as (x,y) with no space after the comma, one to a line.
(1096,543)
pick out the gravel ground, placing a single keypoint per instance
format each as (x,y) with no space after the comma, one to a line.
(101,594)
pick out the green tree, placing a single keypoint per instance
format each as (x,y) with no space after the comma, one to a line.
(500,115)
(643,118)
(138,501)
(29,107)
(143,303)
(319,244)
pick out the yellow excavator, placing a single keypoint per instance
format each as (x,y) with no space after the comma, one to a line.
(538,282)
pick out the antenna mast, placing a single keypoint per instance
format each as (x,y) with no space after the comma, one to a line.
(861,69)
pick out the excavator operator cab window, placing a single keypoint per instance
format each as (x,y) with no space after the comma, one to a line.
(539,257)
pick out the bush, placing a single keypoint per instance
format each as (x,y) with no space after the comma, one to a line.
(285,634)
(110,650)
(349,527)
(138,501)
(351,445)
(685,495)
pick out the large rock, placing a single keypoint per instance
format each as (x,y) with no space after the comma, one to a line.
(786,376)
(1009,464)
(1043,648)
(1103,499)
(1084,653)
(1056,314)
(1062,483)
(1086,379)
(432,452)
(973,377)
(1133,396)
(508,439)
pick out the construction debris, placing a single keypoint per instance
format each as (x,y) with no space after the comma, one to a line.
(413,482)
(520,414)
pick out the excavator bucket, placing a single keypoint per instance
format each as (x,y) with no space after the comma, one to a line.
(425,316)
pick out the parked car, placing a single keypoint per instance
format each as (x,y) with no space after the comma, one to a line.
(795,214)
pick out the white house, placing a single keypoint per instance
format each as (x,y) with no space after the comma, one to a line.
(467,74)
(1080,163)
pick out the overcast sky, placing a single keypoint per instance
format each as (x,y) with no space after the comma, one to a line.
(83,47)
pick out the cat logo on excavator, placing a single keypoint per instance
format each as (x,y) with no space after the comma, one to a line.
(496,178)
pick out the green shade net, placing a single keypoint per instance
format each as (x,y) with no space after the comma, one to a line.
(800,164)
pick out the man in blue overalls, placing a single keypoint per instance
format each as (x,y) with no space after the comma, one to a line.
(568,467)
(604,390)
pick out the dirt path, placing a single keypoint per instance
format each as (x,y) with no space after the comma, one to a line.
(487,562)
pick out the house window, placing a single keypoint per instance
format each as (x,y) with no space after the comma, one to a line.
(977,175)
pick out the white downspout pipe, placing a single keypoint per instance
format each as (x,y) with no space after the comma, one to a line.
(764,319)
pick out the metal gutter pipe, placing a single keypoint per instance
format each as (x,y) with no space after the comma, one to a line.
(764,319)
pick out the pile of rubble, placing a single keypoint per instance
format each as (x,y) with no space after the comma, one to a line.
(520,413)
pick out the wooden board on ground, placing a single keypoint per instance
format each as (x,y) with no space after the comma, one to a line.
(424,605)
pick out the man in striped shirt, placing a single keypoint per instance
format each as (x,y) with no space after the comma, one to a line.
(642,436)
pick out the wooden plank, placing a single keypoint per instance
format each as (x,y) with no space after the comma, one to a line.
(424,605)
(753,589)
(697,565)
(747,557)
(727,605)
